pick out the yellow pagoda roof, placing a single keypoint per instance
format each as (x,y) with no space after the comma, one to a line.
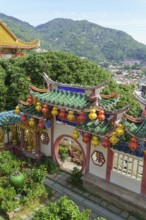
(9,40)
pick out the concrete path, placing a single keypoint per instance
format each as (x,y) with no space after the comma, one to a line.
(85,200)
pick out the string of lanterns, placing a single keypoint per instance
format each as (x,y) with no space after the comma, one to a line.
(86,138)
(81,117)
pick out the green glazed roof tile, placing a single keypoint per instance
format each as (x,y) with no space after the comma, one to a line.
(138,130)
(64,98)
(96,127)
(30,110)
(9,117)
(71,99)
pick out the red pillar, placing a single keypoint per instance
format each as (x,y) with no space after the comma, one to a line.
(52,137)
(110,159)
(143,181)
(88,149)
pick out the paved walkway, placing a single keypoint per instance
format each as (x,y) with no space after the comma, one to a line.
(85,200)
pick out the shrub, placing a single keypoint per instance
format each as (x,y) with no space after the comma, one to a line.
(64,209)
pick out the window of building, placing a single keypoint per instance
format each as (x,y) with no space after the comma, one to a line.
(127,164)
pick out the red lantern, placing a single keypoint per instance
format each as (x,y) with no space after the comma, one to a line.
(30,99)
(133,144)
(24,117)
(86,137)
(62,114)
(106,142)
(41,124)
(101,115)
(45,109)
(81,117)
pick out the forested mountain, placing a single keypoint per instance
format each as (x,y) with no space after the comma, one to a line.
(84,38)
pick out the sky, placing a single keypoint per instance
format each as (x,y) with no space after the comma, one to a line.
(125,15)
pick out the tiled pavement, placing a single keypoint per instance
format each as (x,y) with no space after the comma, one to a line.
(85,200)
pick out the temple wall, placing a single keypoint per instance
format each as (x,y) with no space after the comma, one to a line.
(62,129)
(99,171)
(129,183)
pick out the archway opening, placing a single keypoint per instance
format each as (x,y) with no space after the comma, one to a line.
(69,154)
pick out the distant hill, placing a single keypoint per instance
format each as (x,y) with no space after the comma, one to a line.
(84,38)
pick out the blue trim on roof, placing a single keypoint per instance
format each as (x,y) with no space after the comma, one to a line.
(66,122)
(123,146)
(68,89)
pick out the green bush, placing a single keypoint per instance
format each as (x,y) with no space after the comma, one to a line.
(8,163)
(50,165)
(75,177)
(63,152)
(64,209)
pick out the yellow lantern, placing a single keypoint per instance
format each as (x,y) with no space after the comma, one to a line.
(94,141)
(119,131)
(38,106)
(54,111)
(92,115)
(120,126)
(75,134)
(70,116)
(114,139)
(17,110)
(31,122)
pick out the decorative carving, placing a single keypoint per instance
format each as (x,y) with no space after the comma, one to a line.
(44,138)
(98,158)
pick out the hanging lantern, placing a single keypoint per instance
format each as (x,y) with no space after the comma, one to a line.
(114,139)
(81,117)
(70,116)
(92,115)
(62,114)
(45,109)
(38,106)
(75,134)
(31,122)
(17,110)
(54,111)
(30,99)
(94,141)
(133,144)
(101,115)
(24,117)
(41,124)
(120,130)
(86,137)
(106,142)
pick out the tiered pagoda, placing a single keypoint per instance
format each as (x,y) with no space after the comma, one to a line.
(112,142)
(11,46)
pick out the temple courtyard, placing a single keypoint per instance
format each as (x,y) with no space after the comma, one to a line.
(85,200)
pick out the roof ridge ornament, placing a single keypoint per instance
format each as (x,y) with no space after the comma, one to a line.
(50,81)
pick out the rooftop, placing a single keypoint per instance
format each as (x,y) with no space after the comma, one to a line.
(9,40)
(8,118)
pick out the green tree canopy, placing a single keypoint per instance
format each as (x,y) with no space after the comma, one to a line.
(18,73)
